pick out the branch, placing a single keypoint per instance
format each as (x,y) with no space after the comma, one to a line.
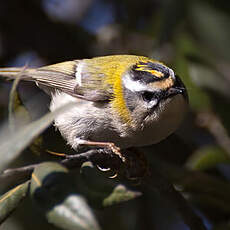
(97,156)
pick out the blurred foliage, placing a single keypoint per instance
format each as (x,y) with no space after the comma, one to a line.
(10,200)
(53,191)
(191,37)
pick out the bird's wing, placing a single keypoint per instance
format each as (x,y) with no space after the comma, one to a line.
(75,78)
(63,77)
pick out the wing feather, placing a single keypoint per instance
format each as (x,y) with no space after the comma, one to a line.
(62,77)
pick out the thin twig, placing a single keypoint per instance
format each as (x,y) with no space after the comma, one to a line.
(98,156)
(22,171)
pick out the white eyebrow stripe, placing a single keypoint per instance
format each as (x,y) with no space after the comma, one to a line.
(171,73)
(132,85)
(78,73)
(136,86)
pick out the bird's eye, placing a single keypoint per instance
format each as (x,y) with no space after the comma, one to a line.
(147,96)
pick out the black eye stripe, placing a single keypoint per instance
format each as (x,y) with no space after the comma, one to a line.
(150,95)
(147,96)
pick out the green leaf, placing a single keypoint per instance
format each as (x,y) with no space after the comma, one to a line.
(17,113)
(100,190)
(14,143)
(211,26)
(207,77)
(120,194)
(53,192)
(10,200)
(94,184)
(207,157)
(20,116)
(97,180)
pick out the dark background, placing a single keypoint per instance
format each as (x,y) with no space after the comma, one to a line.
(192,37)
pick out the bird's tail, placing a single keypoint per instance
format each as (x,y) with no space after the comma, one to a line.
(10,73)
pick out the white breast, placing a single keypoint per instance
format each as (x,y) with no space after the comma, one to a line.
(161,125)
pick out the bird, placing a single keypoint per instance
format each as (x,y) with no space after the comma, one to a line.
(121,101)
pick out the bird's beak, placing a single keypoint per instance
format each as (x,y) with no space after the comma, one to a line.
(178,88)
(174,91)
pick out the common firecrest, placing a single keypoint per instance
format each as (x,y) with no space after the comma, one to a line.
(124,100)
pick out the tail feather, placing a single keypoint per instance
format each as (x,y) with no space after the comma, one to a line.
(13,72)
(49,78)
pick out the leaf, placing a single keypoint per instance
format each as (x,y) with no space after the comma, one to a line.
(208,77)
(97,180)
(53,192)
(211,26)
(73,213)
(207,157)
(14,143)
(10,201)
(120,194)
(100,190)
(19,115)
